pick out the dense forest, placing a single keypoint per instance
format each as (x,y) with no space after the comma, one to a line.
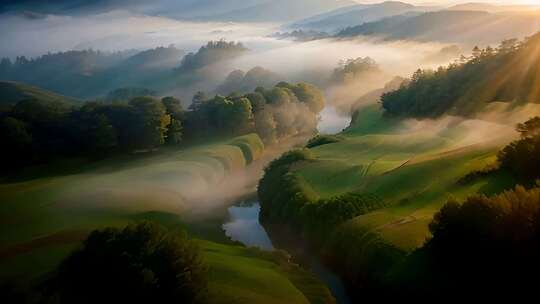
(35,130)
(507,73)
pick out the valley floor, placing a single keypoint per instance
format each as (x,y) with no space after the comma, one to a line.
(44,218)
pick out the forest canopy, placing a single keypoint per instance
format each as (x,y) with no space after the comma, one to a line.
(35,131)
(507,73)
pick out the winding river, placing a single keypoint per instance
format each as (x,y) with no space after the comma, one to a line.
(243,226)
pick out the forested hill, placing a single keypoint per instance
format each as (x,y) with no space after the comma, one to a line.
(471,27)
(509,73)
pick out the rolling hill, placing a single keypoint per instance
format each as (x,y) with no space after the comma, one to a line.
(468,27)
(508,73)
(282,10)
(354,15)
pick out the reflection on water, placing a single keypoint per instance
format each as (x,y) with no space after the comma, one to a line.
(244,227)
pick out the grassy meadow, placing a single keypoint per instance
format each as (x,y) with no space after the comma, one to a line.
(45,214)
(414,168)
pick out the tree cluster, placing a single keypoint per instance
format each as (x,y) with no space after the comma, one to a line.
(274,114)
(243,82)
(478,247)
(212,52)
(522,157)
(142,263)
(350,69)
(34,131)
(506,73)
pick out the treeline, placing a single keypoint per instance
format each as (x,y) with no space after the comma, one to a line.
(507,73)
(34,131)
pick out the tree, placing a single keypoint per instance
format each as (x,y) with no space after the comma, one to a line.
(152,121)
(142,263)
(198,99)
(173,107)
(174,132)
(530,128)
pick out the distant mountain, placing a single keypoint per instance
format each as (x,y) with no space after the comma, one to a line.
(469,27)
(282,10)
(171,8)
(355,15)
(12,92)
(228,10)
(492,8)
(88,73)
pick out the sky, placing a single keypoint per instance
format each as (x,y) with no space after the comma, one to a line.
(459,1)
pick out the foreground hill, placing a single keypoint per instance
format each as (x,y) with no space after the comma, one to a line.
(365,198)
(451,26)
(55,208)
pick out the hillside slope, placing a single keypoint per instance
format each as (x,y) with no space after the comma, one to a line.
(54,211)
(354,15)
(366,199)
(12,92)
(508,73)
(282,10)
(469,27)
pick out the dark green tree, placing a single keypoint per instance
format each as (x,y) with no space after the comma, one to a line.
(141,263)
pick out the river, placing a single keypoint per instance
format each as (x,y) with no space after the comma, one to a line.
(243,226)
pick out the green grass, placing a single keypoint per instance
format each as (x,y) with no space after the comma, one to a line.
(414,171)
(113,190)
(44,218)
(240,275)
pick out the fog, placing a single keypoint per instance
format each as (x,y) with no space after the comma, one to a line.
(312,61)
(114,31)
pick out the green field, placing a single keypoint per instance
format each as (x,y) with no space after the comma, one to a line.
(43,218)
(415,169)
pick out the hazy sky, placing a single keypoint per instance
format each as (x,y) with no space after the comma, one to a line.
(459,1)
